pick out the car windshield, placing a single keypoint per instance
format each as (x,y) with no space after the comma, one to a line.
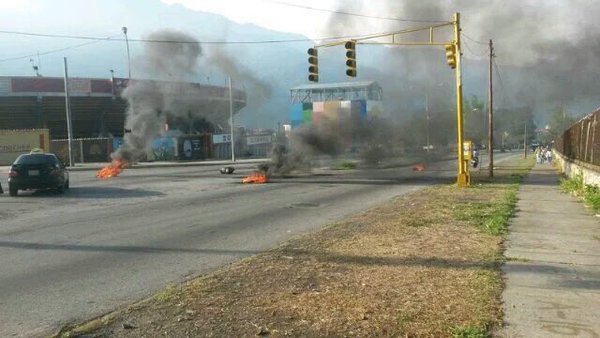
(36,159)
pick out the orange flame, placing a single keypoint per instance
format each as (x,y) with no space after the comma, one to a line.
(112,170)
(256,177)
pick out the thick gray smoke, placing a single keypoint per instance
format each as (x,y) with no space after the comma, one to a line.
(372,139)
(547,50)
(217,57)
(172,97)
(149,102)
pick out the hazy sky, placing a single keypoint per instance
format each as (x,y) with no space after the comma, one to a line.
(547,50)
(525,22)
(304,17)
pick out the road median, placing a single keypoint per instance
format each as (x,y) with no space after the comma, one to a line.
(424,264)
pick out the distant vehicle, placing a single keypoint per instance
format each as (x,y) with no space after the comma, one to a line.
(37,170)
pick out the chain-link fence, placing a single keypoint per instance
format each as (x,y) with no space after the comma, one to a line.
(83,150)
(582,140)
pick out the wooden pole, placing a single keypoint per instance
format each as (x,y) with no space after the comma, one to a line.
(491,116)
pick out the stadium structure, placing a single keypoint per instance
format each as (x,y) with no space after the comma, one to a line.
(97,108)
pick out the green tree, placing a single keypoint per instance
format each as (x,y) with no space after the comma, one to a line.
(475,120)
(510,124)
(560,120)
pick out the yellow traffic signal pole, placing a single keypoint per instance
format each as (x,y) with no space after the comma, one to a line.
(463,179)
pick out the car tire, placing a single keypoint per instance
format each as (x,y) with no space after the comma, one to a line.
(12,190)
(60,189)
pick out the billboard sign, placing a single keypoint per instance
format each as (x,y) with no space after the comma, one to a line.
(221,138)
(259,139)
(16,142)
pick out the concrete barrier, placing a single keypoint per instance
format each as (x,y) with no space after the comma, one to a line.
(571,168)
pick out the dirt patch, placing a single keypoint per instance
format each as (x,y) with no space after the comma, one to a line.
(411,267)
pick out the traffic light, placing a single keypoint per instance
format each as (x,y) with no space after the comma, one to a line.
(313,65)
(451,55)
(350,58)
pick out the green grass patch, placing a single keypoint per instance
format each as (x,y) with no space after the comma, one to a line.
(491,216)
(345,165)
(588,192)
(573,185)
(170,293)
(469,332)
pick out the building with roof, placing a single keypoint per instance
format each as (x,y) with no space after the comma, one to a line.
(97,108)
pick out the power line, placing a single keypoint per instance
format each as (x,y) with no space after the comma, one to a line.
(500,81)
(94,38)
(80,37)
(55,50)
(352,14)
(482,54)
(223,42)
(77,37)
(476,41)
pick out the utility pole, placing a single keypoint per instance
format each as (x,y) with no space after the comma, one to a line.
(128,56)
(525,142)
(562,126)
(427,112)
(68,111)
(231,119)
(491,115)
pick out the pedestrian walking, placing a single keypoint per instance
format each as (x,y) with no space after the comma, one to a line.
(538,155)
(549,156)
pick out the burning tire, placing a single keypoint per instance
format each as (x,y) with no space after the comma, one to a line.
(256,177)
(227,170)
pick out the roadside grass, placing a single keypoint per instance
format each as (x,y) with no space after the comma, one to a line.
(426,264)
(588,192)
(345,165)
(168,294)
(468,332)
(491,215)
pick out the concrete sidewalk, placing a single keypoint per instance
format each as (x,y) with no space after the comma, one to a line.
(553,270)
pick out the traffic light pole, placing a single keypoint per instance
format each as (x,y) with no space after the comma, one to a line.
(463,179)
(491,115)
(453,51)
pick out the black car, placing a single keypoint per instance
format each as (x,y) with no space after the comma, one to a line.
(37,170)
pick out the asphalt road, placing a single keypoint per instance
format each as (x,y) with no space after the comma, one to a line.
(67,258)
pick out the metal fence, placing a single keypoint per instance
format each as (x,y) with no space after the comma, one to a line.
(83,150)
(582,140)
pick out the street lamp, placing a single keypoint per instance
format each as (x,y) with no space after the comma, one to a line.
(112,83)
(128,56)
